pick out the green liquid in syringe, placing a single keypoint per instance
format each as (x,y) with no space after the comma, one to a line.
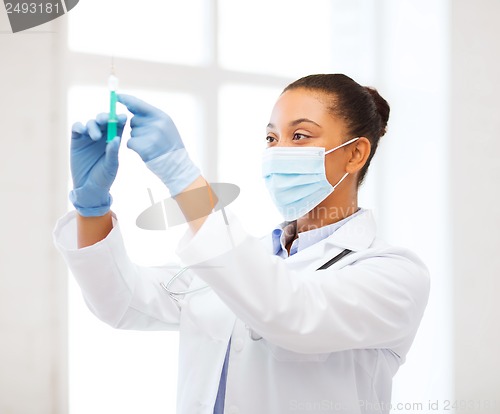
(113,119)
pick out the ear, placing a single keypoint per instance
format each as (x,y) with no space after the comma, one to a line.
(359,153)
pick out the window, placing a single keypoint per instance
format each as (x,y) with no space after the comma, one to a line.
(213,75)
(154,31)
(216,66)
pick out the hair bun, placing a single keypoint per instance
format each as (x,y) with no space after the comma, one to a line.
(383,108)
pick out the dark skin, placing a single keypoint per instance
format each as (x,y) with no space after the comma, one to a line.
(94,229)
(300,117)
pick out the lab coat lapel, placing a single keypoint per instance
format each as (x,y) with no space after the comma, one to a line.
(357,234)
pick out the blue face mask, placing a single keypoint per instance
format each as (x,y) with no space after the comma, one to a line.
(296,178)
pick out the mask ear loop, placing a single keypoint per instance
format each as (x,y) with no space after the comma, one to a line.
(342,145)
(333,149)
(342,179)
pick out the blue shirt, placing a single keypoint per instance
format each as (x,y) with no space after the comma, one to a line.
(281,236)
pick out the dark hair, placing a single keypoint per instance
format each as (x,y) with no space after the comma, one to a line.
(365,112)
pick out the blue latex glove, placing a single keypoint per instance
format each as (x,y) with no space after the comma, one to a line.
(94,165)
(155,138)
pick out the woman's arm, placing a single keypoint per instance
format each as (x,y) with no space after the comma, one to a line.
(119,292)
(93,229)
(196,203)
(376,302)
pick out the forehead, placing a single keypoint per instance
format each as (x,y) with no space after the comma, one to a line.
(301,103)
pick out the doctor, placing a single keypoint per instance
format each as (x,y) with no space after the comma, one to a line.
(316,317)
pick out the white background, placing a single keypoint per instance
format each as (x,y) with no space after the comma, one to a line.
(217,68)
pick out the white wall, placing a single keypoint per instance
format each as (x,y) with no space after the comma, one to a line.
(32,187)
(475,176)
(412,177)
(438,122)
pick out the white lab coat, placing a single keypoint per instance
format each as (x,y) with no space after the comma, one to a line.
(330,340)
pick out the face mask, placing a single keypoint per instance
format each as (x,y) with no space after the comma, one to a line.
(296,178)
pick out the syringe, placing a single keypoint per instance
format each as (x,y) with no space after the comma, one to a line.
(113,119)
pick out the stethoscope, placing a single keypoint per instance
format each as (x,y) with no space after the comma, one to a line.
(175,294)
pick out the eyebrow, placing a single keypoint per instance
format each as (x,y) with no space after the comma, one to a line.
(297,122)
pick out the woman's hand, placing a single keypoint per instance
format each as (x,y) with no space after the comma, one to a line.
(94,165)
(153,131)
(155,138)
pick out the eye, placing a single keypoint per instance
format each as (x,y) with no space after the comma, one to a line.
(298,136)
(270,139)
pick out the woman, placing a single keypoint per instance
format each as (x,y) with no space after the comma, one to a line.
(316,317)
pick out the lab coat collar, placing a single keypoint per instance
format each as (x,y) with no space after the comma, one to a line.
(357,234)
(307,238)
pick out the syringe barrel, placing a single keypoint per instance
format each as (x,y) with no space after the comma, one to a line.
(113,119)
